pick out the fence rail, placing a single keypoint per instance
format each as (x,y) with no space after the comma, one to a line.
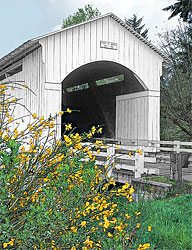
(132,158)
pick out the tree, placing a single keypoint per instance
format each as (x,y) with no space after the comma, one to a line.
(176,84)
(135,23)
(183,8)
(83,14)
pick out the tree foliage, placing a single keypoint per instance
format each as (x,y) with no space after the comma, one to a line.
(183,8)
(176,84)
(136,24)
(83,14)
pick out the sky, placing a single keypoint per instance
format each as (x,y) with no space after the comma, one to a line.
(22,20)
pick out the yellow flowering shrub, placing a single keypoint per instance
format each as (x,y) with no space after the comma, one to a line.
(52,195)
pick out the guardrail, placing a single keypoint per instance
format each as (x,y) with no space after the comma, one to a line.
(137,158)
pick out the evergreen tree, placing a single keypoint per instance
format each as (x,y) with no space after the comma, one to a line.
(83,14)
(183,8)
(135,23)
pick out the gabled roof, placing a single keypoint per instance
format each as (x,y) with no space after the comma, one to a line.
(33,44)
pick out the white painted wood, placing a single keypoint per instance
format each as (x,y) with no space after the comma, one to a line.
(57,58)
(69,50)
(64,51)
(139,164)
(93,40)
(141,115)
(75,44)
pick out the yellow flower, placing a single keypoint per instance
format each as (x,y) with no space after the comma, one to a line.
(131,190)
(138,225)
(143,247)
(34,116)
(60,113)
(10,119)
(83,223)
(127,216)
(109,235)
(88,242)
(99,130)
(25,86)
(74,229)
(130,154)
(68,127)
(73,248)
(149,228)
(117,147)
(139,151)
(11,243)
(68,110)
(137,213)
(5,245)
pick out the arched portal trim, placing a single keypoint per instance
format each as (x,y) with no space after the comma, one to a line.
(92,89)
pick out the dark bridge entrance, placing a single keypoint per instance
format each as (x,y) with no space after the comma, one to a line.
(91,90)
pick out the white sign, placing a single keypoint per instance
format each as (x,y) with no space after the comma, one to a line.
(108,45)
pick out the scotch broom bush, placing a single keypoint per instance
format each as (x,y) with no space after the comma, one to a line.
(52,195)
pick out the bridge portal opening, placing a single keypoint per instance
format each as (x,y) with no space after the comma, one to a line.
(91,92)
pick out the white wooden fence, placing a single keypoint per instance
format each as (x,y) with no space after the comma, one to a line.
(131,159)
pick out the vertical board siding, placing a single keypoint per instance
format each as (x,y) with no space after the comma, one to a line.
(93,40)
(137,117)
(75,44)
(99,26)
(79,45)
(63,53)
(57,57)
(87,48)
(33,76)
(69,50)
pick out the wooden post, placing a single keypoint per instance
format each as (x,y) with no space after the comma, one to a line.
(178,165)
(110,161)
(139,163)
(172,165)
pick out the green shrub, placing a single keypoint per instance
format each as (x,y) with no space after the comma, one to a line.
(53,196)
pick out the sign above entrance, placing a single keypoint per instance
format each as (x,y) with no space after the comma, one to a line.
(108,45)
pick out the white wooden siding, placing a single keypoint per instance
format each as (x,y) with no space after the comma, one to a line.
(33,76)
(63,52)
(137,116)
(74,47)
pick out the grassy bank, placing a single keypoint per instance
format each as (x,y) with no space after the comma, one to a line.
(170,221)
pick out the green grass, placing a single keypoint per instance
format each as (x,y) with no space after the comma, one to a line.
(170,220)
(161,179)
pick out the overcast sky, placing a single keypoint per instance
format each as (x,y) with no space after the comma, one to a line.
(22,20)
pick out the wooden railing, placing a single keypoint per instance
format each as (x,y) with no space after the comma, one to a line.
(142,157)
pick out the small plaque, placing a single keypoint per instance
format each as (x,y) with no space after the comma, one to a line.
(108,45)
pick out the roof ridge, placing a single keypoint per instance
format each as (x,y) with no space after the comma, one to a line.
(140,37)
(32,43)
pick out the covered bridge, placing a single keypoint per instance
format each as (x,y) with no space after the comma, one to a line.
(102,68)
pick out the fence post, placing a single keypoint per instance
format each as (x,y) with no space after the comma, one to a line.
(178,165)
(110,161)
(139,163)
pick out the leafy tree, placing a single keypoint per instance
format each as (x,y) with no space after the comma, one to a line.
(176,84)
(83,14)
(135,23)
(183,8)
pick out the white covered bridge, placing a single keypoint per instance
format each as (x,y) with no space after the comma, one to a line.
(101,67)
